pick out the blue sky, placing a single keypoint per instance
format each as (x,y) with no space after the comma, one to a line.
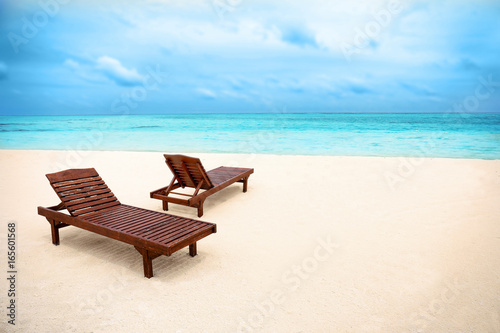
(224,56)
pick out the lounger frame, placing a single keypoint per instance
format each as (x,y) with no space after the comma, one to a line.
(189,172)
(93,207)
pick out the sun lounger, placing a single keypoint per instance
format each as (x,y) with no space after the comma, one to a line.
(93,207)
(189,172)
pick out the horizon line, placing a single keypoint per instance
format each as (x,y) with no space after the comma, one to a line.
(232,113)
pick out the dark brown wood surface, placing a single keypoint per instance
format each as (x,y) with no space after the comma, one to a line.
(93,207)
(82,191)
(189,172)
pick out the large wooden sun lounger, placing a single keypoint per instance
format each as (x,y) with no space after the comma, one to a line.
(189,172)
(93,207)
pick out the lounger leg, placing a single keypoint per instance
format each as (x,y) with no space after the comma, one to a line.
(55,232)
(245,183)
(148,265)
(165,205)
(147,260)
(200,209)
(192,249)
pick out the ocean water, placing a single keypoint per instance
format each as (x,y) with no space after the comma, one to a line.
(431,135)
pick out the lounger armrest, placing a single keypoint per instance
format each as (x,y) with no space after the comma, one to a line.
(61,206)
(160,191)
(165,190)
(53,214)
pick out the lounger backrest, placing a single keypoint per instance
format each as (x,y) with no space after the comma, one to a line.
(82,191)
(188,170)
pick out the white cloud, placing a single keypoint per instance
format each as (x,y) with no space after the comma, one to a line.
(71,64)
(103,69)
(115,71)
(206,93)
(83,71)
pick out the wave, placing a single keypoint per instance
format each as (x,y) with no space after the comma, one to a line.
(146,126)
(29,130)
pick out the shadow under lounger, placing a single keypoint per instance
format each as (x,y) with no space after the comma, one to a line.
(93,207)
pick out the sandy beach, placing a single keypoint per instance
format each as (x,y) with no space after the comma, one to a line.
(317,244)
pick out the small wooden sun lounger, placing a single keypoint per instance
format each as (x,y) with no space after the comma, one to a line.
(93,207)
(189,172)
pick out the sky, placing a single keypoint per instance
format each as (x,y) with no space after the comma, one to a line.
(74,57)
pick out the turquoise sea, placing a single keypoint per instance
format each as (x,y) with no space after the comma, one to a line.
(431,135)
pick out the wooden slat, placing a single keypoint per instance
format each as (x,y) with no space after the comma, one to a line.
(82,191)
(206,229)
(119,211)
(180,235)
(92,202)
(137,229)
(96,208)
(179,228)
(88,200)
(168,229)
(87,193)
(105,189)
(192,239)
(139,223)
(224,174)
(79,187)
(79,195)
(76,181)
(220,186)
(71,174)
(174,233)
(109,221)
(164,230)
(121,224)
(189,169)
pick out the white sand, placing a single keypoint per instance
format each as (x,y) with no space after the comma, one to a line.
(317,244)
